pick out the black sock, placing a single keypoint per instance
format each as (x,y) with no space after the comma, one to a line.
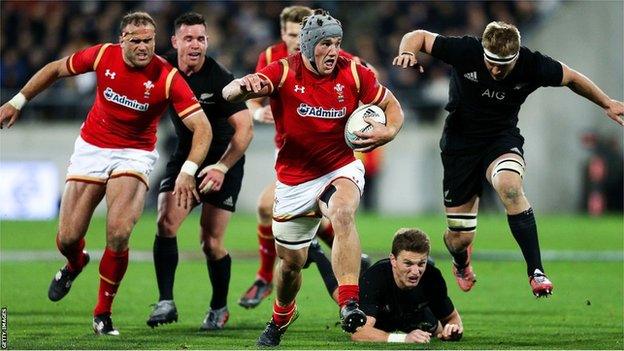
(219,273)
(460,258)
(524,230)
(325,268)
(165,263)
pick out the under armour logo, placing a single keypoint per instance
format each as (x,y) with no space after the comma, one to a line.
(110,74)
(106,293)
(299,89)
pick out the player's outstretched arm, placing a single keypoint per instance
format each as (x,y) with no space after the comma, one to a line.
(10,111)
(412,43)
(245,88)
(184,188)
(382,134)
(213,175)
(583,86)
(368,332)
(451,328)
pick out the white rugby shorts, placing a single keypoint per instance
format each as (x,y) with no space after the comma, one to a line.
(296,214)
(93,164)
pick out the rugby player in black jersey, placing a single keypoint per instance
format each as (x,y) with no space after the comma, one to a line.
(404,297)
(220,175)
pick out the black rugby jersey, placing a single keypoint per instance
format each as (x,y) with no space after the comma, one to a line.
(207,85)
(395,309)
(480,106)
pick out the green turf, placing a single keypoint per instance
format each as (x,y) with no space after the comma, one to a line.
(586,312)
(561,232)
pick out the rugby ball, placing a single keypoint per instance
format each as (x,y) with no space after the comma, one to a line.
(356,122)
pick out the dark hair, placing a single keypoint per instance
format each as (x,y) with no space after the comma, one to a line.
(294,14)
(410,239)
(136,18)
(189,19)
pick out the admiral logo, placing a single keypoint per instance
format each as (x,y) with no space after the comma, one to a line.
(123,100)
(305,110)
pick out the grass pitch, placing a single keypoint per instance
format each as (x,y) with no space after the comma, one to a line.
(586,311)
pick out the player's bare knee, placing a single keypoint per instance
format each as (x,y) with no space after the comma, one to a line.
(213,248)
(342,216)
(166,226)
(509,190)
(65,240)
(265,212)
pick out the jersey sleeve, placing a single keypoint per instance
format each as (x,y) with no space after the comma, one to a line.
(455,50)
(440,303)
(371,91)
(85,60)
(262,60)
(275,73)
(549,71)
(182,98)
(370,291)
(222,78)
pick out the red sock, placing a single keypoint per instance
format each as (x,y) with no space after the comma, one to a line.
(282,315)
(76,259)
(327,235)
(347,293)
(267,252)
(112,269)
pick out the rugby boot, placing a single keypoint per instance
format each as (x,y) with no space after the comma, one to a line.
(103,325)
(272,334)
(540,284)
(62,281)
(258,291)
(351,317)
(465,277)
(164,312)
(215,319)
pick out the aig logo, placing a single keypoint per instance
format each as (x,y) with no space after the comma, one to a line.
(493,94)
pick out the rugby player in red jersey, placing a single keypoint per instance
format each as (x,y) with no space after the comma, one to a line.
(290,26)
(311,95)
(115,152)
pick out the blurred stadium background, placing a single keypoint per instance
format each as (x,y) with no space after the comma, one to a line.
(587,36)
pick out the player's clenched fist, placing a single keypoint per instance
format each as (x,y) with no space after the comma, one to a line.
(407,59)
(418,336)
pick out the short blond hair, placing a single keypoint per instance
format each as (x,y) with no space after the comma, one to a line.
(501,38)
(294,14)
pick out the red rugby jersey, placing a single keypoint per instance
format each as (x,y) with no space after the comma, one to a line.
(310,114)
(278,52)
(129,101)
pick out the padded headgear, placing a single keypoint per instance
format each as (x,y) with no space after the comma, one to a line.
(316,28)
